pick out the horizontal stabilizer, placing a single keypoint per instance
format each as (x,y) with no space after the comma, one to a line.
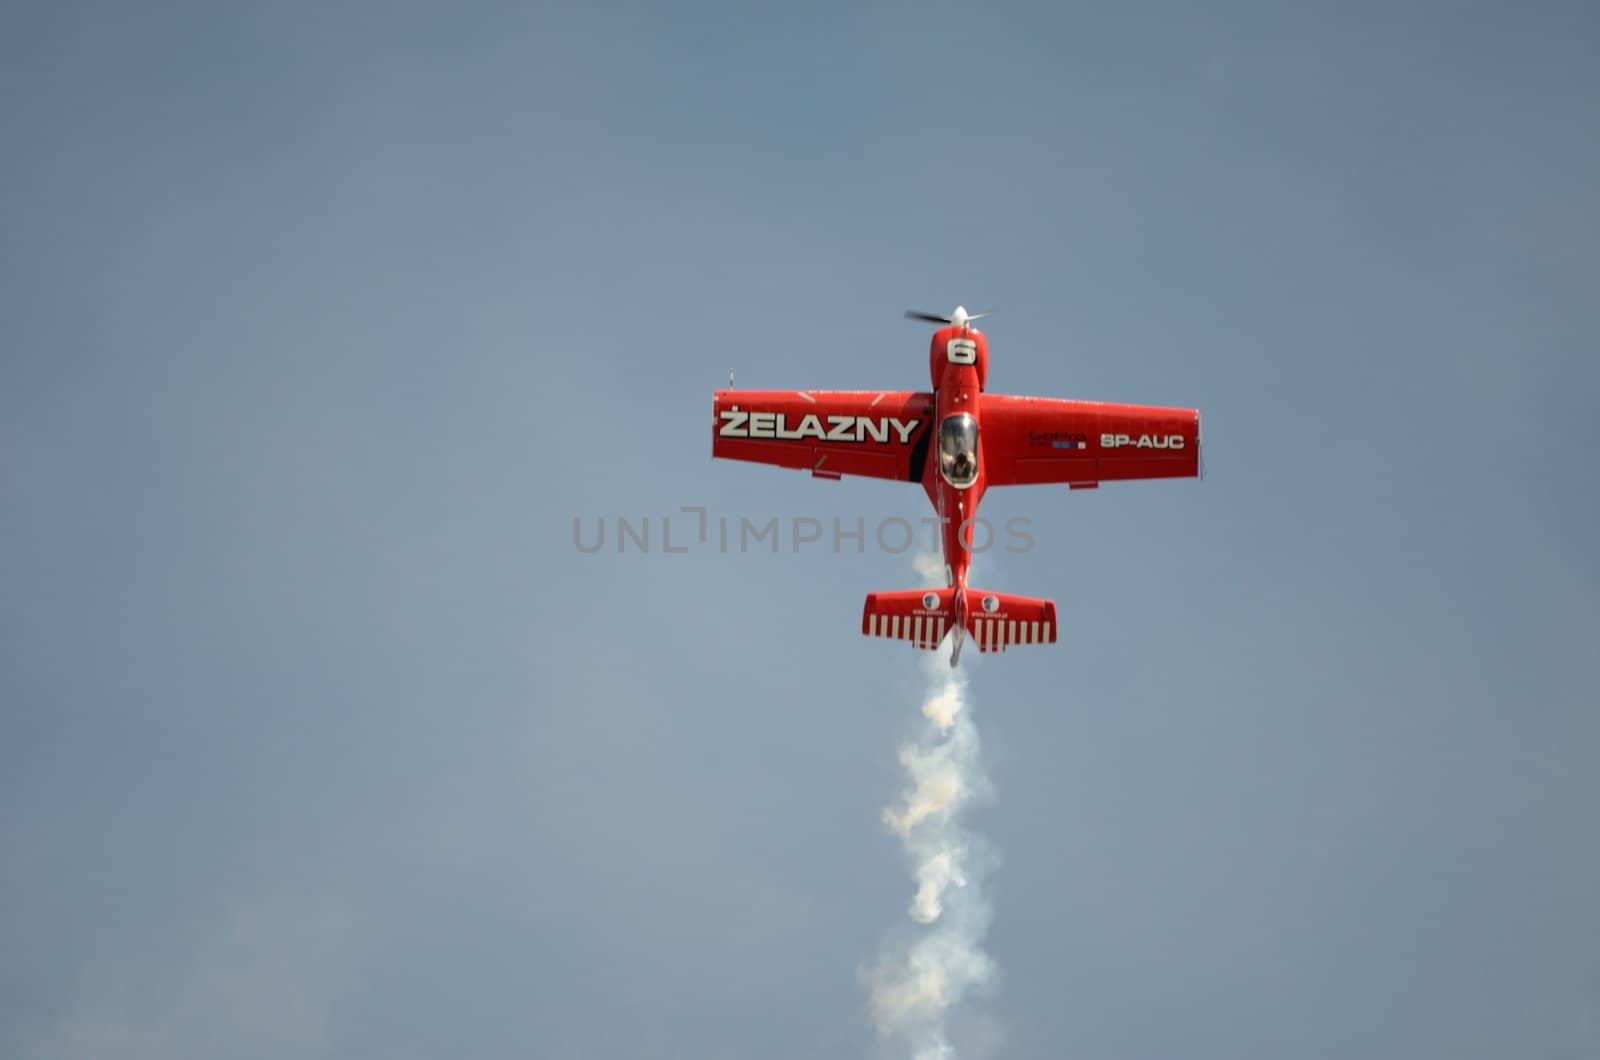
(921,617)
(998,621)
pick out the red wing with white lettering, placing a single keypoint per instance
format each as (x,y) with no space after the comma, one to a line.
(1028,440)
(877,433)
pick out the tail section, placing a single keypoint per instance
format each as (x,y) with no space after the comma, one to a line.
(922,617)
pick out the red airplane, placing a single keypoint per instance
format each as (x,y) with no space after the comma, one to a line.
(981,440)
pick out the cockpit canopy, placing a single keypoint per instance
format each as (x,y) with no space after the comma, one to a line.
(958,450)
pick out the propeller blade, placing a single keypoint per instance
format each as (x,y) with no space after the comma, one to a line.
(932,318)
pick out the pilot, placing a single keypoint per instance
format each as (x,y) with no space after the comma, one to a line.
(963,468)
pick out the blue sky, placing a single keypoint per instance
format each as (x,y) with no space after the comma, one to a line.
(320,326)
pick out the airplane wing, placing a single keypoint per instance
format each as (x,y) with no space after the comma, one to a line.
(876,433)
(1029,440)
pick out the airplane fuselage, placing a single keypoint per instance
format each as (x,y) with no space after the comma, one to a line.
(958,361)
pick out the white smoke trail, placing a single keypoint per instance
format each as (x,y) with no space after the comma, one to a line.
(930,968)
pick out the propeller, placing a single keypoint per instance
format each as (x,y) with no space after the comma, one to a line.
(960,318)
